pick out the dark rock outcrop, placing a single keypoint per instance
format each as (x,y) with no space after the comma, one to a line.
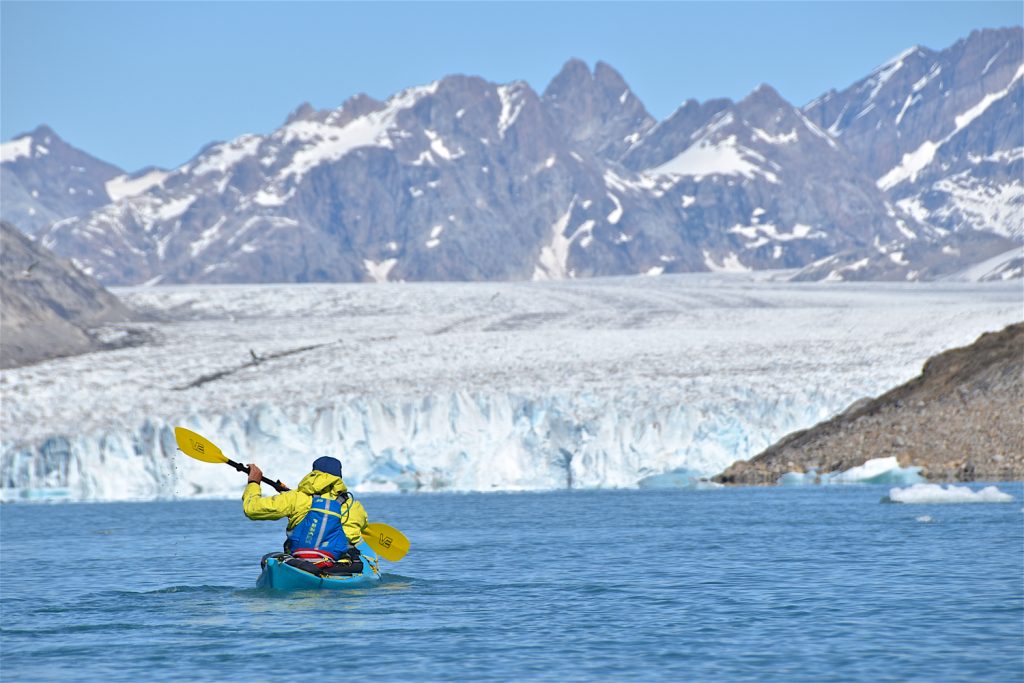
(961,419)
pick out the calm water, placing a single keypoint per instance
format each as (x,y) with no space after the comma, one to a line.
(726,585)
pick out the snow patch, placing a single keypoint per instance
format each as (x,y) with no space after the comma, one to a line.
(725,157)
(988,64)
(553,261)
(781,139)
(206,238)
(914,162)
(977,110)
(221,158)
(15,149)
(379,270)
(124,186)
(439,148)
(512,103)
(910,102)
(325,143)
(616,213)
(730,264)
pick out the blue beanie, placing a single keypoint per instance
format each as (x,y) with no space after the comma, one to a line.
(328,464)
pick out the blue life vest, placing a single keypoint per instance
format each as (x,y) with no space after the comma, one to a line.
(321,529)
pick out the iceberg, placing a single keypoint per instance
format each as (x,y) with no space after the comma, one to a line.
(874,471)
(934,493)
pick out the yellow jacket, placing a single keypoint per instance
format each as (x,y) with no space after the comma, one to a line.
(295,504)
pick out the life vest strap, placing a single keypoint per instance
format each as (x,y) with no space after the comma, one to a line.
(332,513)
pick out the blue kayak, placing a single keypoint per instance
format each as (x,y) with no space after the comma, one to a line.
(283,577)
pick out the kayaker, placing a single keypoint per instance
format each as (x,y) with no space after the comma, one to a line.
(325,523)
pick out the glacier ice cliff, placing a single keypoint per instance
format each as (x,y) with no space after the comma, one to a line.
(648,382)
(454,442)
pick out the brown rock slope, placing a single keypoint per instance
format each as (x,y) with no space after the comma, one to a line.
(48,308)
(961,419)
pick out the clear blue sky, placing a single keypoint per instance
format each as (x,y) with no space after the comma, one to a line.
(150,83)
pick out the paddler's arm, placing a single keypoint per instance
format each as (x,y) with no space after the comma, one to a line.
(355,525)
(256,506)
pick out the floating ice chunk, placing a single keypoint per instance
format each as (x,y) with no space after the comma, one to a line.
(934,493)
(874,471)
(879,471)
(677,479)
(924,519)
(799,478)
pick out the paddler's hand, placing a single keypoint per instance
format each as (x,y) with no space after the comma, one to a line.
(255,473)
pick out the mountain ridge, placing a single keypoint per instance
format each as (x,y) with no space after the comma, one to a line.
(463,179)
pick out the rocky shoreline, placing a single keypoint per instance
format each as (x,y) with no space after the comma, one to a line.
(960,420)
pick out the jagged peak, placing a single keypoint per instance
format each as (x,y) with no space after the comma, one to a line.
(304,112)
(572,73)
(44,131)
(765,95)
(361,104)
(608,76)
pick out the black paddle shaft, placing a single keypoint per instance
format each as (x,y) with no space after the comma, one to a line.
(276,484)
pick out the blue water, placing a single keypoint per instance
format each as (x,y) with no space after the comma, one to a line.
(745,584)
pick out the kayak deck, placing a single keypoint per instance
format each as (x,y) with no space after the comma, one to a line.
(279,576)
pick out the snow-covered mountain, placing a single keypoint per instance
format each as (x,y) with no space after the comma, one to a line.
(912,173)
(942,133)
(43,179)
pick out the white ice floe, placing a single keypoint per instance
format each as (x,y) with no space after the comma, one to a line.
(874,471)
(934,493)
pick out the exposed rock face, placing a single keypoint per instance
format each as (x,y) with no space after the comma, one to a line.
(915,172)
(942,133)
(961,419)
(598,111)
(43,179)
(49,307)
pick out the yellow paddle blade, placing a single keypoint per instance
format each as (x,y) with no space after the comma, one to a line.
(196,446)
(387,541)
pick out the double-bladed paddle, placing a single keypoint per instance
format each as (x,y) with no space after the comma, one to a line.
(387,541)
(199,447)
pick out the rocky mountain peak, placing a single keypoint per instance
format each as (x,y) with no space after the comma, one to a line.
(606,77)
(463,178)
(597,110)
(764,95)
(304,112)
(573,76)
(361,104)
(44,179)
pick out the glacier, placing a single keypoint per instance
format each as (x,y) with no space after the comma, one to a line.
(645,382)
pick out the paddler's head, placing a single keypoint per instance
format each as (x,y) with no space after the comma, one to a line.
(328,465)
